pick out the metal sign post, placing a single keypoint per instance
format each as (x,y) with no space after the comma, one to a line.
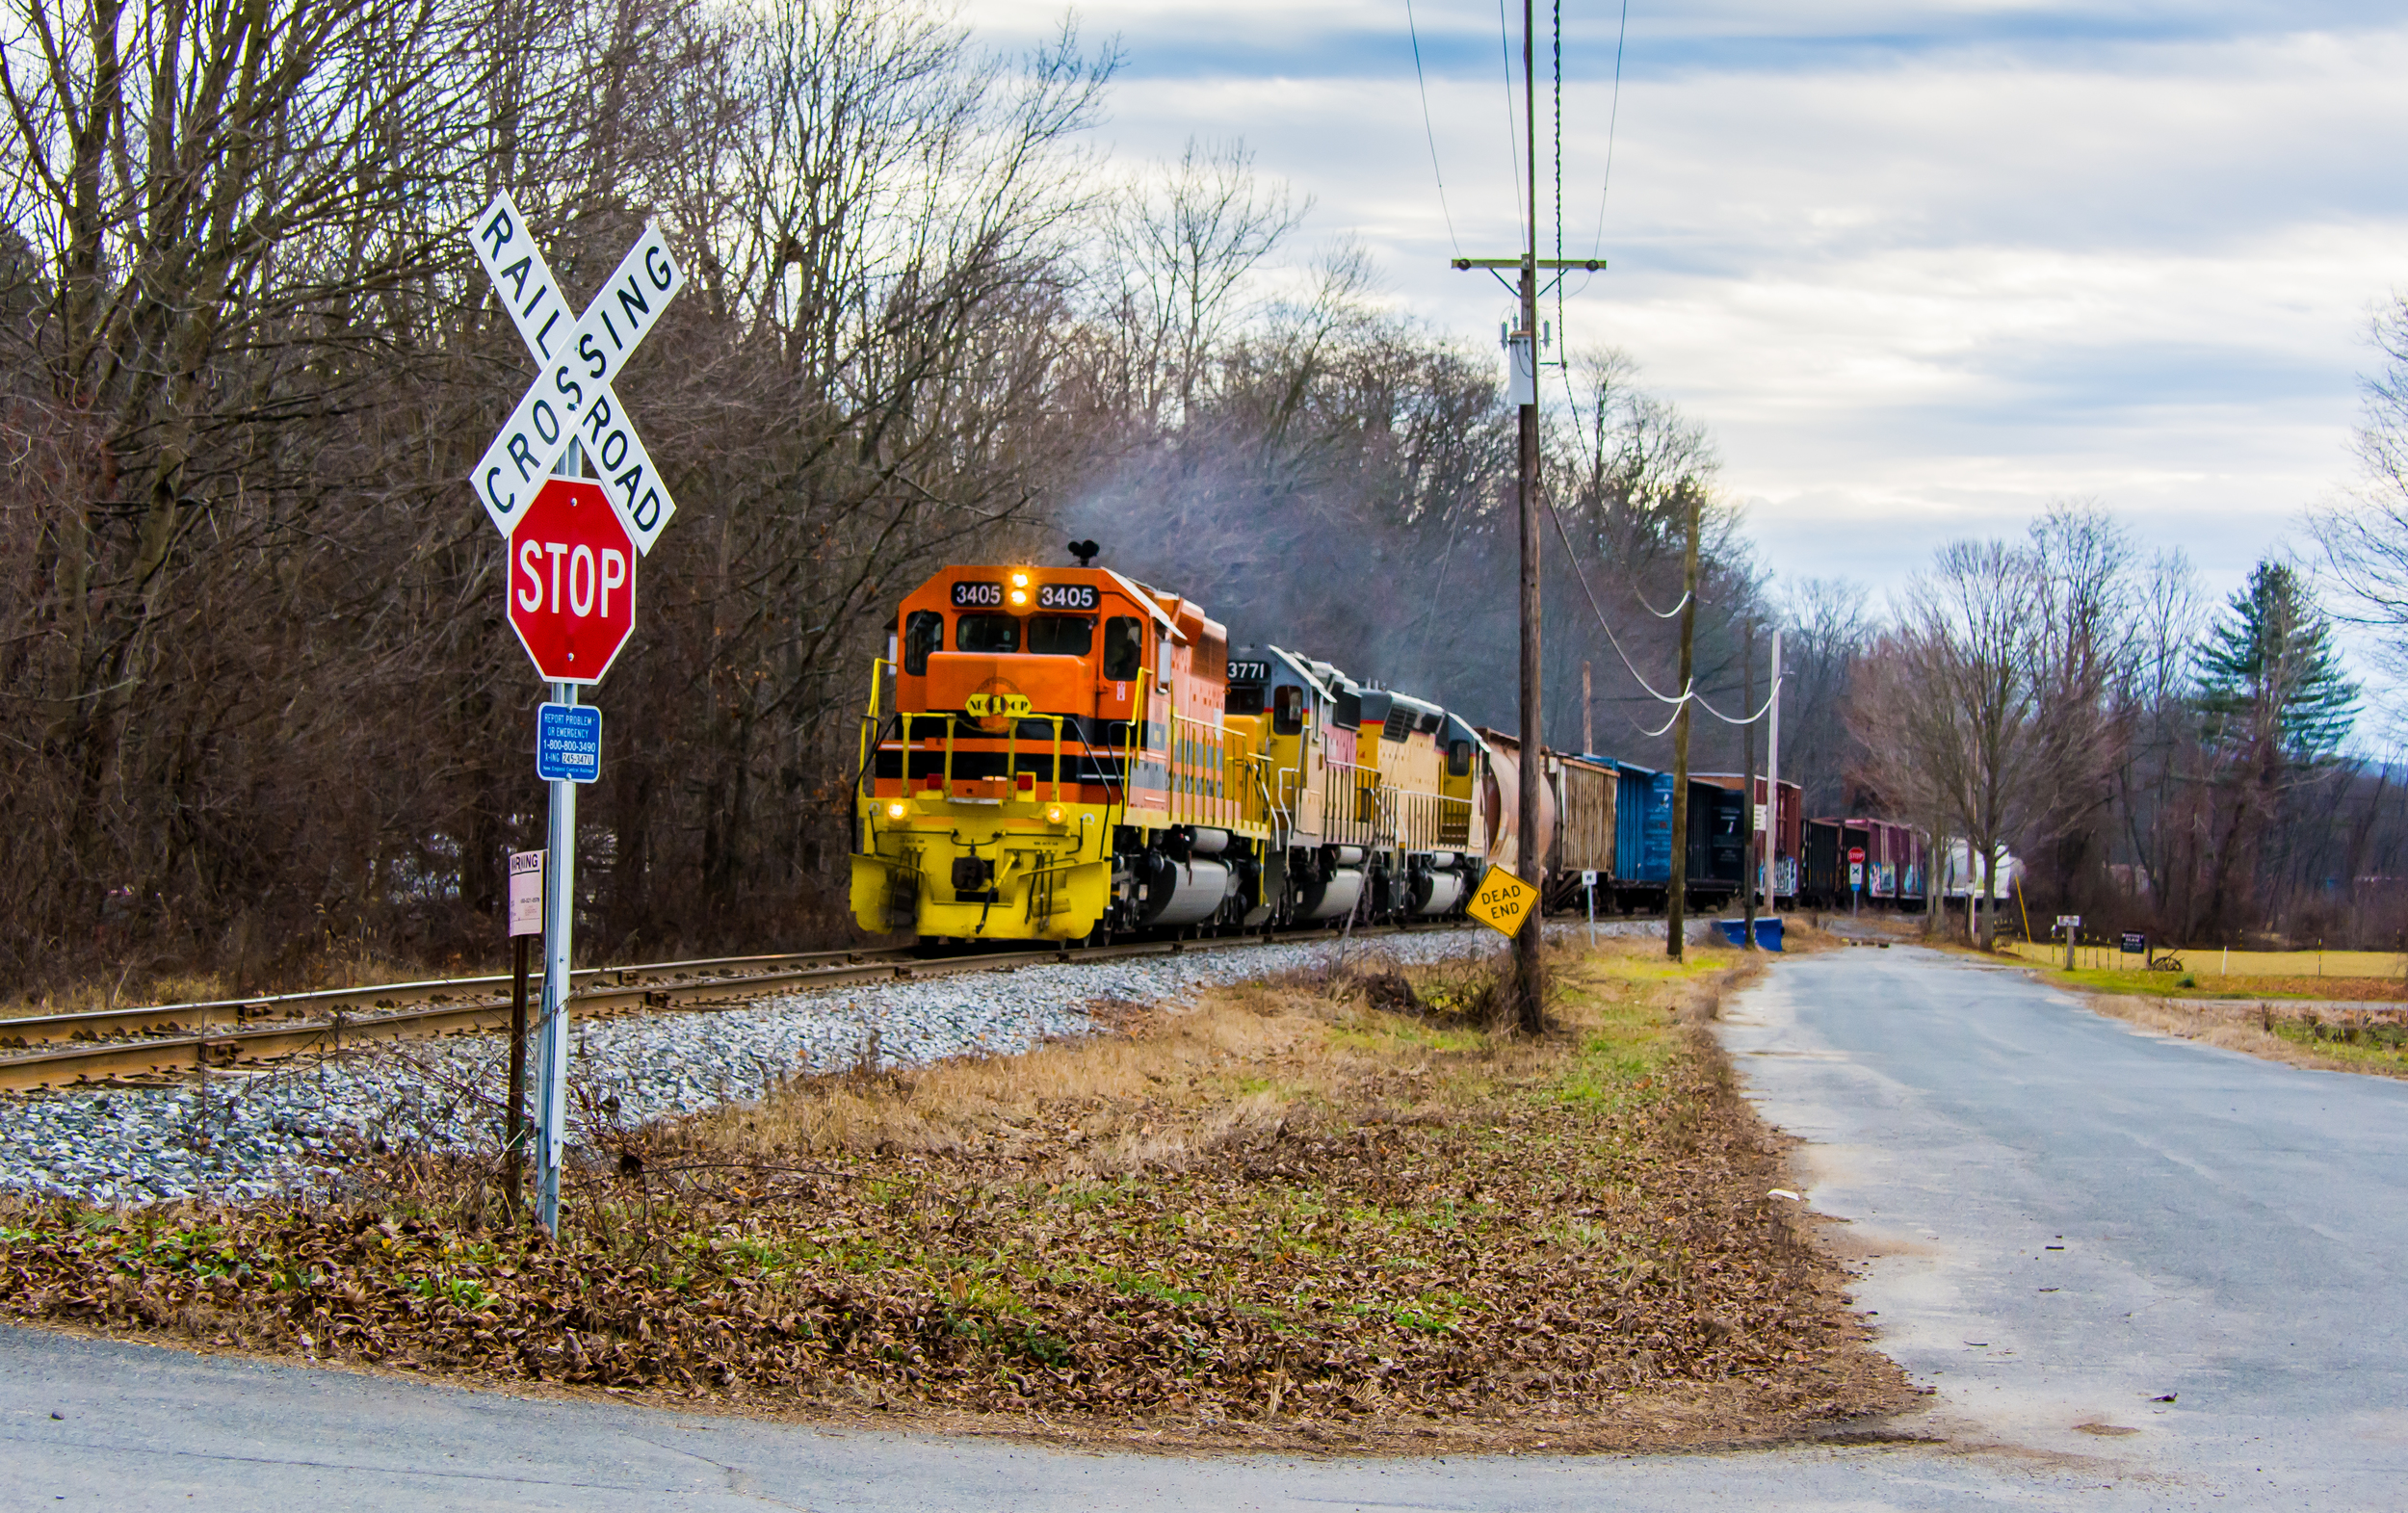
(570,411)
(551,1056)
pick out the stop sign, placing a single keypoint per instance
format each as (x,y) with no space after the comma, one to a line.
(572,581)
(1855,853)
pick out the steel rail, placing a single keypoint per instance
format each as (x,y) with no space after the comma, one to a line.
(91,1024)
(178,1053)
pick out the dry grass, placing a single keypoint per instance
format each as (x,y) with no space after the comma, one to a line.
(2210,964)
(1323,1212)
(2372,1041)
(338,966)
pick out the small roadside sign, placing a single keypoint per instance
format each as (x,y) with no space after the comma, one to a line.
(1502,901)
(2133,944)
(1588,877)
(1856,874)
(568,743)
(526,910)
(2069,921)
(1855,854)
(1762,822)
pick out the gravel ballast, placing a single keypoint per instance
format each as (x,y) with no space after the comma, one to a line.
(251,1134)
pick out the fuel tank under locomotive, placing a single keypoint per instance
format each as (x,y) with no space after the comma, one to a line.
(1437,883)
(1330,884)
(1188,876)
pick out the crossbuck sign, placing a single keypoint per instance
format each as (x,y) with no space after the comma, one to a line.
(571,399)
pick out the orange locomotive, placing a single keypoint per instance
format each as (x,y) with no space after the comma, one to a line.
(1070,754)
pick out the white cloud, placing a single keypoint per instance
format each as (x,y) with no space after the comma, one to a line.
(1921,268)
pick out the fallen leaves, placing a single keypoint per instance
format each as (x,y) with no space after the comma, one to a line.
(1567,1238)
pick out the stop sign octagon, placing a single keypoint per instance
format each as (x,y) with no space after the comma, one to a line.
(572,581)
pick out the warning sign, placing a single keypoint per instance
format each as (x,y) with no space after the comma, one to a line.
(1502,900)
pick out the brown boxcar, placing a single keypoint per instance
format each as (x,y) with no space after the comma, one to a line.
(1585,805)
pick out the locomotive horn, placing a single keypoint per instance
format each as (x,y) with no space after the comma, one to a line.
(1084,551)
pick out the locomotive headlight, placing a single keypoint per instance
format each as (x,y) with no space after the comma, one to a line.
(1053,814)
(1020,596)
(898,809)
(1019,580)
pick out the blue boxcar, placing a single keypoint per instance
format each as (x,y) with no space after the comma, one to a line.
(1642,825)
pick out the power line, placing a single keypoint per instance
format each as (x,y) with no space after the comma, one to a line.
(1562,344)
(1431,135)
(1687,695)
(1613,118)
(1513,148)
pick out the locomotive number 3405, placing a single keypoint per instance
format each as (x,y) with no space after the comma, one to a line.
(1067,597)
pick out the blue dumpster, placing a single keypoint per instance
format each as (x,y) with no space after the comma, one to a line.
(1768,931)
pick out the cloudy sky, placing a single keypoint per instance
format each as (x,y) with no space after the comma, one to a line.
(1921,268)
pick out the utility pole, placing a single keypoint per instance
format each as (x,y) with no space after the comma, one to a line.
(1676,901)
(1773,790)
(1529,985)
(1588,714)
(1747,785)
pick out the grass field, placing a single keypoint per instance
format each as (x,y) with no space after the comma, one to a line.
(2212,965)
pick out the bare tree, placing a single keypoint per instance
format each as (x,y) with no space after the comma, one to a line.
(2364,538)
(1944,705)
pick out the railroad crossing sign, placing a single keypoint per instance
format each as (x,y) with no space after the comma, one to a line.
(572,581)
(571,399)
(1502,901)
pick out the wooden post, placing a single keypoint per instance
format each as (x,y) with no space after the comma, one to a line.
(1588,714)
(514,1125)
(1676,897)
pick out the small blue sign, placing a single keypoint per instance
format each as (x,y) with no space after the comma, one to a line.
(568,743)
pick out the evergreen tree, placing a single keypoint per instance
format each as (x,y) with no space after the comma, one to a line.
(2269,675)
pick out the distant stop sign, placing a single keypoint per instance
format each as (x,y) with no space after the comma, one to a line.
(572,581)
(1855,853)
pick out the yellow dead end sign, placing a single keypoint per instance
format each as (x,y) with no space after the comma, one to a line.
(1502,901)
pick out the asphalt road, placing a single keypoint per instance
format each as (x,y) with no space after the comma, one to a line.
(2229,1229)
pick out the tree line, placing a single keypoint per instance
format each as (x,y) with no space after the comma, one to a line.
(262,706)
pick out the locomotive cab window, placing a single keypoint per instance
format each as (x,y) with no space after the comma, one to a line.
(1245,699)
(924,632)
(1062,635)
(987,632)
(1124,648)
(1458,759)
(1287,710)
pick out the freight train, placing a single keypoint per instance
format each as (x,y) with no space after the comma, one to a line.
(1066,754)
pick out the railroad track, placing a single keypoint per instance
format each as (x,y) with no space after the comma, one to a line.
(67,1050)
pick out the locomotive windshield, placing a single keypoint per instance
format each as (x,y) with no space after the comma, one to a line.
(987,632)
(1124,648)
(924,632)
(1062,635)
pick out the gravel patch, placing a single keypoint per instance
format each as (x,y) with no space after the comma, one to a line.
(249,1133)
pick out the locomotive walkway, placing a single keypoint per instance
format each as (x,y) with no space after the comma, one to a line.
(2231,1230)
